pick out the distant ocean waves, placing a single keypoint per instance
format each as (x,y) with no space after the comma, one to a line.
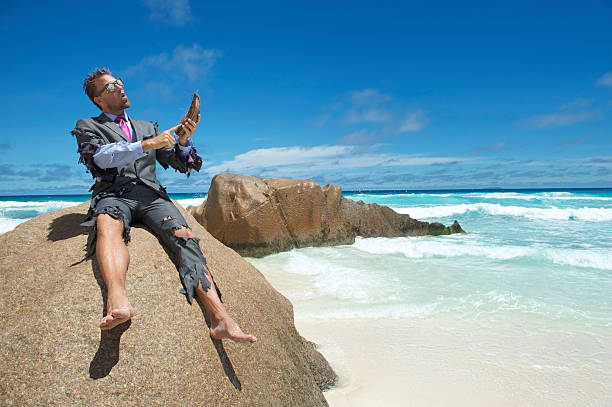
(15,210)
(592,214)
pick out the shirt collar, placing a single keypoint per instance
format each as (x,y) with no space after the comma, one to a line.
(114,116)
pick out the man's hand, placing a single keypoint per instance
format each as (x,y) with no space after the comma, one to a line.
(189,127)
(162,140)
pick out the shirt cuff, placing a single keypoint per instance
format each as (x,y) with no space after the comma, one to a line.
(138,148)
(185,149)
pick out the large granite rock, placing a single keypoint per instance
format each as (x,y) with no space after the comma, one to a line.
(53,354)
(256,216)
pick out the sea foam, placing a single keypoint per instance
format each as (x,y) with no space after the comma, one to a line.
(13,213)
(7,224)
(561,196)
(419,248)
(552,213)
(191,202)
(41,207)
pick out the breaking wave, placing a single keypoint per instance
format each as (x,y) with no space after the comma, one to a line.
(552,213)
(418,248)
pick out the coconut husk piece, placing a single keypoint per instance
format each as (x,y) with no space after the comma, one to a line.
(192,113)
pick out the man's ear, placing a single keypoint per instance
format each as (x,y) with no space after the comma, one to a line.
(96,100)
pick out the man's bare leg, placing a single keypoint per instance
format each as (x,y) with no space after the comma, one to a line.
(113,259)
(222,326)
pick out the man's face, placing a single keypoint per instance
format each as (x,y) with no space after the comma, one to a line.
(111,102)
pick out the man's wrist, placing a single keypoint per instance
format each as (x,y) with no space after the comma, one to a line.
(187,145)
(146,145)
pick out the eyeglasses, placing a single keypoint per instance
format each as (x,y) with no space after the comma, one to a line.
(111,86)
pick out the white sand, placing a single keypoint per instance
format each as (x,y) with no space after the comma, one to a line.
(423,362)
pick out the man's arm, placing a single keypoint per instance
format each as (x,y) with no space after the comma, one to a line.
(89,142)
(183,157)
(102,158)
(118,154)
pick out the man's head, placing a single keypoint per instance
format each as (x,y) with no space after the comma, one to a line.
(106,92)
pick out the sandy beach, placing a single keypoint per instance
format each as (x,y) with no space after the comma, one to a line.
(398,362)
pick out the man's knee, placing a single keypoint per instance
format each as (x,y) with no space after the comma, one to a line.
(106,225)
(183,232)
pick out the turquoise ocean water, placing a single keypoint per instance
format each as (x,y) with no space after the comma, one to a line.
(546,252)
(532,279)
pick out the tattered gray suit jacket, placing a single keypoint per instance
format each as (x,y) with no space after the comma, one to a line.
(93,132)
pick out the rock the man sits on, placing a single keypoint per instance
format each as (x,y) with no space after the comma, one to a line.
(121,154)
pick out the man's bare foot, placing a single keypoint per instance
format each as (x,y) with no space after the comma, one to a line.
(227,328)
(117,316)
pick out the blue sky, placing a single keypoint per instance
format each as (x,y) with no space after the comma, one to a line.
(367,95)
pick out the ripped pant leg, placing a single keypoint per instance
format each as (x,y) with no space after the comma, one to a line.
(164,218)
(113,207)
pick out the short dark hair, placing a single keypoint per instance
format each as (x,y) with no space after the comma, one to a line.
(89,85)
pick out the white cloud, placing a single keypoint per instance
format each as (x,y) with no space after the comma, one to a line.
(558,119)
(158,88)
(502,145)
(371,106)
(605,80)
(579,103)
(414,121)
(279,156)
(566,115)
(305,161)
(369,97)
(368,114)
(192,62)
(174,12)
(365,107)
(358,137)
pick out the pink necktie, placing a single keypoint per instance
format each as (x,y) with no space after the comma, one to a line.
(124,127)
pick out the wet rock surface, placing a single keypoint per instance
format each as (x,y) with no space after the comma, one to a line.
(53,353)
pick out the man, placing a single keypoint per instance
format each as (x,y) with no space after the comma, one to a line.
(121,153)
